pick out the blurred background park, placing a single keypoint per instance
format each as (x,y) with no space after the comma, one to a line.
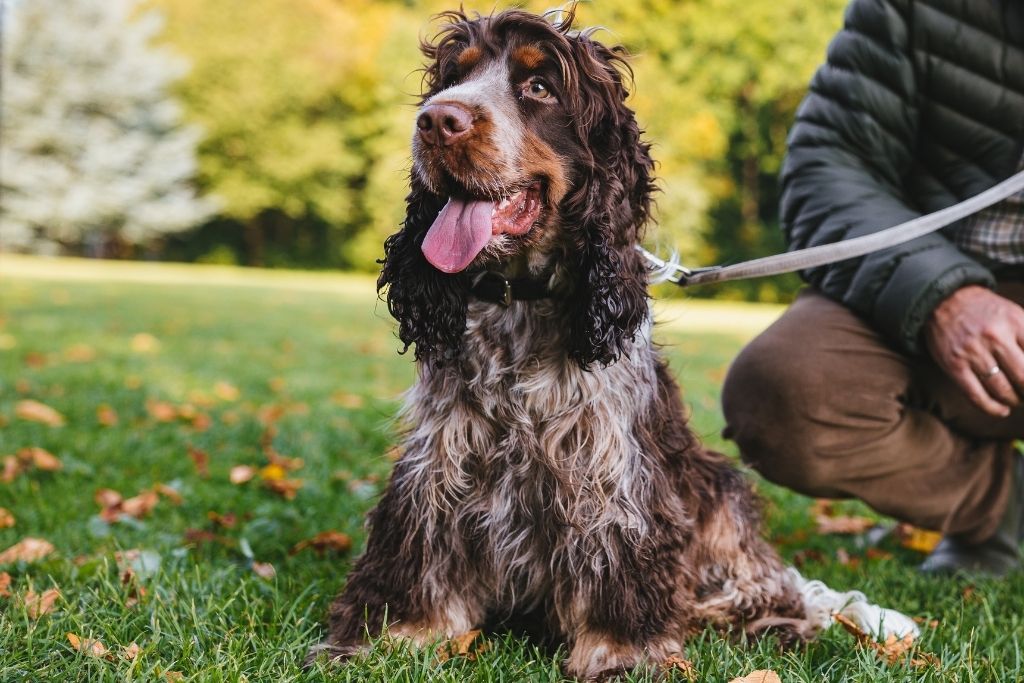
(275,134)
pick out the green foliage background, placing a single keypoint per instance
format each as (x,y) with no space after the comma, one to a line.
(307,108)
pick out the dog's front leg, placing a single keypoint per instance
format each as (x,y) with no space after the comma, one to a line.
(623,617)
(413,581)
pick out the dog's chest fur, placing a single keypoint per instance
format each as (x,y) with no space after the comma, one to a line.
(535,462)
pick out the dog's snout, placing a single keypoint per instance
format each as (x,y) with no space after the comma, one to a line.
(443,124)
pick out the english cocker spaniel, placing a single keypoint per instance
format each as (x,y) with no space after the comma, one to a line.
(547,467)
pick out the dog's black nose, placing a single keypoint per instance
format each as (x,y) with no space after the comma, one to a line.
(443,124)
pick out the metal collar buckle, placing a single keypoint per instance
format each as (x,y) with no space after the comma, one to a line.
(506,298)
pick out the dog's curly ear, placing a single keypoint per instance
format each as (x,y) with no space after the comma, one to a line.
(430,306)
(609,208)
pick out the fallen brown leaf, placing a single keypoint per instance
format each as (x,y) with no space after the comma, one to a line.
(107,498)
(130,652)
(87,646)
(201,460)
(226,391)
(760,676)
(141,505)
(37,605)
(161,411)
(324,541)
(39,458)
(682,665)
(168,492)
(6,519)
(241,473)
(79,353)
(198,537)
(106,415)
(347,400)
(27,550)
(12,467)
(5,585)
(34,411)
(285,463)
(463,645)
(264,570)
(34,359)
(201,422)
(843,524)
(174,676)
(286,488)
(226,521)
(893,649)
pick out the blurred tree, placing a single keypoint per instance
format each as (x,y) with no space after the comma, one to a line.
(92,149)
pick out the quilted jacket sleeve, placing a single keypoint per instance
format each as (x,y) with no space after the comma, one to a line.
(848,154)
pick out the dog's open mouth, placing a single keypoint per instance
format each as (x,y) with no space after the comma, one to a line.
(465,226)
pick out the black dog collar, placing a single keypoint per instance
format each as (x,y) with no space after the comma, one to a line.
(496,288)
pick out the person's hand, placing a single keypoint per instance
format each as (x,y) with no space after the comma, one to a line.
(975,335)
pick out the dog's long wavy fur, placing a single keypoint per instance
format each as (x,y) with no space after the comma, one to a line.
(547,465)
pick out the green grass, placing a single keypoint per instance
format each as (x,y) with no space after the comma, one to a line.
(321,347)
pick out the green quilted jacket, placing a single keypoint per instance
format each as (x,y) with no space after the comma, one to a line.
(919,105)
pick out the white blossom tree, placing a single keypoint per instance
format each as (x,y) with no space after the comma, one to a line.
(92,147)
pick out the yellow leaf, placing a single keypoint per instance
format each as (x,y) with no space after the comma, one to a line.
(273,472)
(38,605)
(918,539)
(27,550)
(145,343)
(34,411)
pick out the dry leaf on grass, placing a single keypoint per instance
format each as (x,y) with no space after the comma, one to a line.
(917,539)
(201,461)
(168,492)
(893,649)
(27,550)
(39,604)
(6,518)
(5,585)
(283,462)
(347,400)
(174,676)
(226,391)
(466,645)
(130,652)
(144,342)
(843,524)
(106,415)
(161,411)
(681,665)
(324,541)
(241,473)
(264,570)
(226,521)
(759,676)
(79,353)
(11,469)
(34,411)
(141,505)
(87,646)
(39,458)
(286,488)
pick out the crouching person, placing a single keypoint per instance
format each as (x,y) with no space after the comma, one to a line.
(897,378)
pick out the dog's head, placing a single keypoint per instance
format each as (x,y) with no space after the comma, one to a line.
(527,161)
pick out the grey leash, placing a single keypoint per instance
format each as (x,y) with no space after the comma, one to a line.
(813,257)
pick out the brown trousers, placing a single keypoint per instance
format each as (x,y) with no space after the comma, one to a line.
(821,404)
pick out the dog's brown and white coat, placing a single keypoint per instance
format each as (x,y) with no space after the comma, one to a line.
(547,467)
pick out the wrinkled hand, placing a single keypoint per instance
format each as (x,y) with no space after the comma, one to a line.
(972,332)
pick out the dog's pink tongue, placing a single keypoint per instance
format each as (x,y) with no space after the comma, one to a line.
(458,234)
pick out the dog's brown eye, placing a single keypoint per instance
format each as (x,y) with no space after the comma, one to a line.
(539,90)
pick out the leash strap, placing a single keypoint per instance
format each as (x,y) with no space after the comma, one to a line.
(821,255)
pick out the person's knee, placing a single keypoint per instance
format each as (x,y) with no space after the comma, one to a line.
(765,401)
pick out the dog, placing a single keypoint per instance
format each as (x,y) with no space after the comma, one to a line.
(546,464)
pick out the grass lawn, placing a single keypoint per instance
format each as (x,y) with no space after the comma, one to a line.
(234,365)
